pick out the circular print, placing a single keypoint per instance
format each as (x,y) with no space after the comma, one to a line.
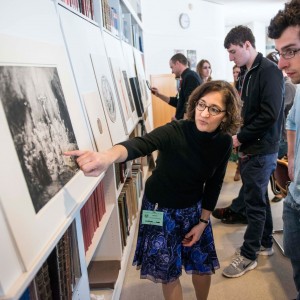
(108,99)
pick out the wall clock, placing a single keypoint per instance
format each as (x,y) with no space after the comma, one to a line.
(184,20)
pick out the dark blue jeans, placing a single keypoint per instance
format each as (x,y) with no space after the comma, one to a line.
(291,236)
(238,204)
(255,173)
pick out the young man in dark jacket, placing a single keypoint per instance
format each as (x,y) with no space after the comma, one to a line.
(257,142)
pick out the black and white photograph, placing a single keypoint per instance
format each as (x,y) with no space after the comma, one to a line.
(146,98)
(41,128)
(121,89)
(108,98)
(97,120)
(192,57)
(128,89)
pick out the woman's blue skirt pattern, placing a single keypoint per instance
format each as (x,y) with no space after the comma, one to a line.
(160,255)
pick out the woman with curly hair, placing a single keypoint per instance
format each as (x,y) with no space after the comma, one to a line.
(183,189)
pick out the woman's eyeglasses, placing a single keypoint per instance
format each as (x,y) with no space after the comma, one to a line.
(213,110)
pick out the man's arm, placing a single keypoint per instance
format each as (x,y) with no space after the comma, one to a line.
(291,126)
(291,138)
(156,92)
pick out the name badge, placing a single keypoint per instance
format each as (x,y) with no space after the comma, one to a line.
(152,217)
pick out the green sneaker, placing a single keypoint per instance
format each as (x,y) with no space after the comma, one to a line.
(239,266)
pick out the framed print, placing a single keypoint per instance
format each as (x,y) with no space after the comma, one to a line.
(146,96)
(124,91)
(129,59)
(192,57)
(122,85)
(182,51)
(41,117)
(40,126)
(92,71)
(109,97)
(97,120)
(11,267)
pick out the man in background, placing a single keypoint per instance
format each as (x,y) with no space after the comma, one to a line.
(257,142)
(284,28)
(189,81)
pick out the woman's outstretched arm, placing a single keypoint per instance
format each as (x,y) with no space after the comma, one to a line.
(94,163)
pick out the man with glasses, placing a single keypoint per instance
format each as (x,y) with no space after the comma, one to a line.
(257,143)
(284,28)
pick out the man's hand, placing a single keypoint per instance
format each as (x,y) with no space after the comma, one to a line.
(155,91)
(235,141)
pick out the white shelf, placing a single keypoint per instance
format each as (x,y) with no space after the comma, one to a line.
(98,234)
(78,13)
(133,13)
(79,54)
(111,33)
(26,277)
(125,260)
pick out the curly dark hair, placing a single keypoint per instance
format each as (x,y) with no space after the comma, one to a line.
(238,36)
(289,16)
(230,98)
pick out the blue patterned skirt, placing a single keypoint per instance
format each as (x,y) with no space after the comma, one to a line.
(160,255)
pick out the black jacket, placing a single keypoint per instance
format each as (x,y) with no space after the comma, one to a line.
(262,112)
(190,80)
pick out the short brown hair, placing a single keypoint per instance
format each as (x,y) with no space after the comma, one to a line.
(230,98)
(179,57)
(238,36)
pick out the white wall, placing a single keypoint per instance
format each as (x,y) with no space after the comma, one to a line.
(163,34)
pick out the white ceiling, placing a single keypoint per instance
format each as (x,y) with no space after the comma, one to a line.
(246,11)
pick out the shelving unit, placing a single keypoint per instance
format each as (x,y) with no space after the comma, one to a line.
(69,36)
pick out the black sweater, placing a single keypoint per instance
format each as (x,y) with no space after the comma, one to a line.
(190,166)
(190,80)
